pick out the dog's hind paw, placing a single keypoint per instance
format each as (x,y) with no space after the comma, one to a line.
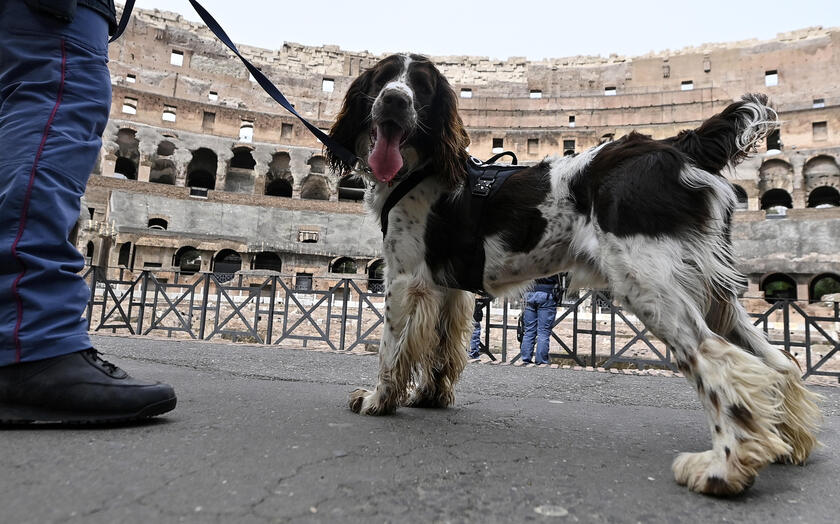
(706,473)
(367,402)
(357,398)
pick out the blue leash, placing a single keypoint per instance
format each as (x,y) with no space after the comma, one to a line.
(334,147)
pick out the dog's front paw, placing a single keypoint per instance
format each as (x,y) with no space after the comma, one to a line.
(357,398)
(706,473)
(367,402)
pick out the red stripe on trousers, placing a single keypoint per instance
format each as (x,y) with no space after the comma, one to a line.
(25,210)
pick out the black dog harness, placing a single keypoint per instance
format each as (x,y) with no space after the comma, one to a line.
(484,180)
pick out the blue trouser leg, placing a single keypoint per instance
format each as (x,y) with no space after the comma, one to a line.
(475,340)
(55,95)
(545,318)
(530,320)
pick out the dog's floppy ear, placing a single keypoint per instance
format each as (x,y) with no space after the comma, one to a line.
(351,120)
(448,134)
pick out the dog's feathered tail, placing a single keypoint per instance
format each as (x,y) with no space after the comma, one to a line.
(730,136)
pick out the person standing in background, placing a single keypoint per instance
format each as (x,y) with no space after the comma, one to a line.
(539,311)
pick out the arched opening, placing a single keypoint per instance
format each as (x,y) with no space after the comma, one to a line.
(158,223)
(822,170)
(776,201)
(166,148)
(825,196)
(162,172)
(778,286)
(279,187)
(227,261)
(240,174)
(242,159)
(741,195)
(351,187)
(343,265)
(124,258)
(89,253)
(267,260)
(318,165)
(188,260)
(279,177)
(126,168)
(822,285)
(315,187)
(201,171)
(376,276)
(128,153)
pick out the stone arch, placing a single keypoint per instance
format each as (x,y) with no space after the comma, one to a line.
(165,148)
(240,173)
(128,153)
(201,171)
(315,187)
(824,196)
(822,170)
(741,197)
(351,187)
(778,286)
(187,259)
(823,284)
(317,165)
(775,198)
(227,261)
(775,173)
(162,172)
(279,178)
(376,276)
(161,224)
(267,260)
(343,265)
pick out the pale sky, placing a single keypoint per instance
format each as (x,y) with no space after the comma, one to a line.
(531,28)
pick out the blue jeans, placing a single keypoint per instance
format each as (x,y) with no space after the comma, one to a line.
(475,340)
(55,95)
(540,310)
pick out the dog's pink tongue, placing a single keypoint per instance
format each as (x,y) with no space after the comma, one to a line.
(385,160)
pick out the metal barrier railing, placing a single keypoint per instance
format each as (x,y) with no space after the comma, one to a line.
(343,314)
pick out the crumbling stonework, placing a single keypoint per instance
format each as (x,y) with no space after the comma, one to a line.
(196,148)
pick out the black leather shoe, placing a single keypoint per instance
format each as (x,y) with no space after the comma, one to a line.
(78,388)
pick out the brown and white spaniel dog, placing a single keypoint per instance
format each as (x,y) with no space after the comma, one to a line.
(647,219)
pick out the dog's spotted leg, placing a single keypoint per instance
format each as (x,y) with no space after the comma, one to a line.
(435,385)
(412,312)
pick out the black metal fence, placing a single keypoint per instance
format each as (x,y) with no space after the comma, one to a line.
(346,314)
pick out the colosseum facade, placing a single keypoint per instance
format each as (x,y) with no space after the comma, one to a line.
(201,171)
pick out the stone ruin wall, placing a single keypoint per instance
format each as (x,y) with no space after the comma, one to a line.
(648,98)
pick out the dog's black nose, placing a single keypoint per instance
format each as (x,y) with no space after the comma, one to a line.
(395,101)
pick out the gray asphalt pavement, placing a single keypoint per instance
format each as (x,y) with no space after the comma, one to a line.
(264,435)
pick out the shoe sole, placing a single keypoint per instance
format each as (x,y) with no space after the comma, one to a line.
(13,415)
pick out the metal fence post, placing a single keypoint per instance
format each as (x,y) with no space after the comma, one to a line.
(204,300)
(92,295)
(270,325)
(142,303)
(346,287)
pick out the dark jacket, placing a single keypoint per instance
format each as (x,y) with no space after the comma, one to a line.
(66,9)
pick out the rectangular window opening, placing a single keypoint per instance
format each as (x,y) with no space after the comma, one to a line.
(246,131)
(129,105)
(820,131)
(498,145)
(774,141)
(307,237)
(303,282)
(535,93)
(533,146)
(569,146)
(571,120)
(819,103)
(466,92)
(771,78)
(687,85)
(328,85)
(609,91)
(176,58)
(168,113)
(208,120)
(213,96)
(130,78)
(286,130)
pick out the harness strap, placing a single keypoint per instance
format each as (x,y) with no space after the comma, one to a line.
(334,147)
(398,193)
(124,18)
